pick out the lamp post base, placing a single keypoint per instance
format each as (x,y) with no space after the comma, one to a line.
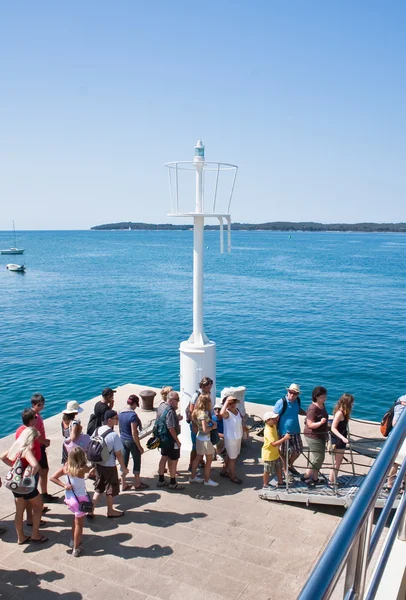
(196,361)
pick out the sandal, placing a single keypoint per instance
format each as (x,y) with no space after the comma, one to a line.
(176,486)
(236,480)
(142,486)
(40,540)
(225,474)
(26,541)
(126,488)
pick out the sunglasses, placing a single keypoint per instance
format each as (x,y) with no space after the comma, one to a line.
(293,393)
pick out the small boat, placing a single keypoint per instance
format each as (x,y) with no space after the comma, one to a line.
(14,249)
(16,268)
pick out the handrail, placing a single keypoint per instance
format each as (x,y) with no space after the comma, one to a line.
(350,544)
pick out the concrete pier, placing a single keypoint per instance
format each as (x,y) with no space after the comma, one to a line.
(201,543)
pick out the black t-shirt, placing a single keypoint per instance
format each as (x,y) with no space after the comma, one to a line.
(97,418)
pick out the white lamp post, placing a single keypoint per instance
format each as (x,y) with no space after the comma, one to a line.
(198,353)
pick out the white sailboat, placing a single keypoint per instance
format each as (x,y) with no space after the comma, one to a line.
(14,249)
(16,268)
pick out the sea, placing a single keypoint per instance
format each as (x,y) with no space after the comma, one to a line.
(106,308)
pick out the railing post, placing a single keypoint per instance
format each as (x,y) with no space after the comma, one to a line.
(334,470)
(402,526)
(357,564)
(350,449)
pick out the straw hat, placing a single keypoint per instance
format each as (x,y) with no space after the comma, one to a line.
(72,408)
(294,388)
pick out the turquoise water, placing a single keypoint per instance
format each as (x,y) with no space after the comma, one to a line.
(98,309)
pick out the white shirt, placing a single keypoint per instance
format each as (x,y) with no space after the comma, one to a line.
(113,443)
(233,426)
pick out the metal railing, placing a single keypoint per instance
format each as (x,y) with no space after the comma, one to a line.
(353,543)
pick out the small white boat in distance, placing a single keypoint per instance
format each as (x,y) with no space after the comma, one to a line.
(14,249)
(16,268)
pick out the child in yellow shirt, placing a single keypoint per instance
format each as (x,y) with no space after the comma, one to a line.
(270,452)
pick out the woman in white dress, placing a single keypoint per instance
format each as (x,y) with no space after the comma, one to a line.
(233,432)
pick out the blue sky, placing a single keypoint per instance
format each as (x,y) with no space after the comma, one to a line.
(308,98)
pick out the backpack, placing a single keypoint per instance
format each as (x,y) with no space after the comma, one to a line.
(285,405)
(160,430)
(387,420)
(97,417)
(97,450)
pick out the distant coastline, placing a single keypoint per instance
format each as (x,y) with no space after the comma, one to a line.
(272,226)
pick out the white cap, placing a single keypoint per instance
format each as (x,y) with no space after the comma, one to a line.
(270,415)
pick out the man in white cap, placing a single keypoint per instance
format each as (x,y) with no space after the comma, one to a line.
(288,409)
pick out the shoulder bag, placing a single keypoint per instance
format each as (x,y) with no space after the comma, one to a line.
(85,506)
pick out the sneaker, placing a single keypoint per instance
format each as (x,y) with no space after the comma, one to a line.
(162,484)
(196,479)
(77,552)
(48,499)
(294,471)
(211,483)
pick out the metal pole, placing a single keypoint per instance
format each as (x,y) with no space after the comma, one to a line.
(358,562)
(228,234)
(350,447)
(334,470)
(386,551)
(221,235)
(215,191)
(198,249)
(170,189)
(177,189)
(232,190)
(402,525)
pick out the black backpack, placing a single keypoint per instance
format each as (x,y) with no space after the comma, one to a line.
(96,419)
(285,406)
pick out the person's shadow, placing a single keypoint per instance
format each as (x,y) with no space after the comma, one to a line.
(29,582)
(112,545)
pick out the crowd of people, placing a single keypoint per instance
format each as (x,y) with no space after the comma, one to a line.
(94,454)
(217,430)
(283,439)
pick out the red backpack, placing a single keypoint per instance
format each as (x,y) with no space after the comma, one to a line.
(387,421)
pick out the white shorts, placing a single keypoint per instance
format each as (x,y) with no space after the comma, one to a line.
(402,454)
(204,448)
(233,447)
